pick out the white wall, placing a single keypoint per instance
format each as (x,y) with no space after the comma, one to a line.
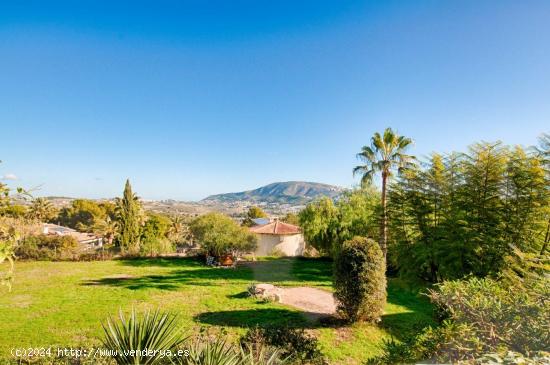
(289,245)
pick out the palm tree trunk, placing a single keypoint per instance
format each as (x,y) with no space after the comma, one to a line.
(546,239)
(384,220)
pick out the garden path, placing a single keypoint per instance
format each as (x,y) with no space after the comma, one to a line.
(316,302)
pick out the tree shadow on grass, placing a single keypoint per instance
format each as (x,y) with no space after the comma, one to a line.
(404,325)
(419,312)
(241,295)
(256,317)
(313,269)
(162,262)
(190,271)
(290,269)
(174,280)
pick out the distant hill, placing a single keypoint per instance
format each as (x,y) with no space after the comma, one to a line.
(290,192)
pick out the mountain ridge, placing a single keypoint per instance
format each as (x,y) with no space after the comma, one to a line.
(289,192)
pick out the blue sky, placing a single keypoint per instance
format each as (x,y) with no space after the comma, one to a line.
(191,98)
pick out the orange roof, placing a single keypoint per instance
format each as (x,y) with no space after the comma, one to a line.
(276,227)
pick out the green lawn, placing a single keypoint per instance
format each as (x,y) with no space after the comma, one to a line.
(63,303)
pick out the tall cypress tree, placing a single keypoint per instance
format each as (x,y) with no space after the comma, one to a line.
(129,217)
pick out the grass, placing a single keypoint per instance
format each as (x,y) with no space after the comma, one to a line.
(63,303)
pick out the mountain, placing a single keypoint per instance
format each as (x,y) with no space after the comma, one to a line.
(290,192)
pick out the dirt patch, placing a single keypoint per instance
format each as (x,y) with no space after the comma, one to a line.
(120,276)
(343,334)
(316,303)
(22,301)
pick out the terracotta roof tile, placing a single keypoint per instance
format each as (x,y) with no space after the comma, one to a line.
(276,227)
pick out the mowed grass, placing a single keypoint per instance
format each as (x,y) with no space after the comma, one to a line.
(63,303)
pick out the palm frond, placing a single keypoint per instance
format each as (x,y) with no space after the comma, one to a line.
(367,178)
(389,137)
(377,142)
(367,155)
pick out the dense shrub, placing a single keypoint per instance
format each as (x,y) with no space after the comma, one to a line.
(499,316)
(360,280)
(483,316)
(156,246)
(434,345)
(293,343)
(43,247)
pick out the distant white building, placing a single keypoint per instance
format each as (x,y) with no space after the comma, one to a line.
(278,237)
(90,240)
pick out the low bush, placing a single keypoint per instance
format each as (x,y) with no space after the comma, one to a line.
(499,316)
(44,247)
(294,343)
(96,255)
(360,280)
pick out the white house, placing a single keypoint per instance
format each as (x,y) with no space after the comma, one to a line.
(88,240)
(278,237)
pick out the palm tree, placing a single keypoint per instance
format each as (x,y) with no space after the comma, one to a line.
(108,228)
(179,230)
(42,209)
(385,155)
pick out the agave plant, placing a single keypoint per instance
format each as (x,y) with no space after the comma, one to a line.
(218,351)
(261,355)
(131,340)
(211,352)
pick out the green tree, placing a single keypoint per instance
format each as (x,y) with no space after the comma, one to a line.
(8,240)
(291,218)
(358,214)
(462,213)
(360,280)
(253,213)
(319,224)
(108,208)
(129,218)
(544,154)
(9,233)
(385,155)
(326,226)
(219,235)
(14,211)
(154,233)
(84,214)
(525,201)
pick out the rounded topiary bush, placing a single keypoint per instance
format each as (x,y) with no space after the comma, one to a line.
(360,280)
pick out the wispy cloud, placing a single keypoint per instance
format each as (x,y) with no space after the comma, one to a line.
(9,177)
